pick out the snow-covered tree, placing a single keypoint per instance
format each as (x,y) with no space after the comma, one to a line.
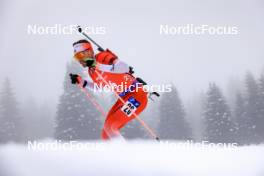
(240,106)
(173,124)
(241,119)
(77,118)
(252,109)
(260,127)
(9,114)
(217,118)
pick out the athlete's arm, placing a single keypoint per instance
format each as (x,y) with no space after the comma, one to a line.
(77,79)
(119,67)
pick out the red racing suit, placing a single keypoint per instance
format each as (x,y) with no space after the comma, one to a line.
(110,70)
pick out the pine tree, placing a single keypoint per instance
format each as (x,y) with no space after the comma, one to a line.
(217,118)
(173,124)
(240,106)
(261,109)
(9,116)
(241,119)
(252,109)
(77,118)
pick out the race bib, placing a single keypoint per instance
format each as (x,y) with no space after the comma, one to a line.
(130,106)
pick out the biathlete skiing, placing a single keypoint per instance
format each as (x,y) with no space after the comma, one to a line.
(106,69)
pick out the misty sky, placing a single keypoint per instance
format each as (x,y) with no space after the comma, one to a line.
(36,63)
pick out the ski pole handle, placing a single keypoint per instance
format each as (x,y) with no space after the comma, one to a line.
(79,28)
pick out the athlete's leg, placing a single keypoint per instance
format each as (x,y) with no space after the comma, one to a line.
(117,118)
(104,135)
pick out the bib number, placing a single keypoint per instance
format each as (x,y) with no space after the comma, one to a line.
(130,106)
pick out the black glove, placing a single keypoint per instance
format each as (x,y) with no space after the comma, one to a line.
(74,78)
(131,70)
(90,63)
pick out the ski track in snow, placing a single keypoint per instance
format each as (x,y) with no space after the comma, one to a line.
(132,158)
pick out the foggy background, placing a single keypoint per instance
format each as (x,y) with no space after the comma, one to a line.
(36,64)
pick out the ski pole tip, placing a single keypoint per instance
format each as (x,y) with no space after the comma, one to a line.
(79,28)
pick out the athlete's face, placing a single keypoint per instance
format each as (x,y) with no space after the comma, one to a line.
(84,55)
(83,63)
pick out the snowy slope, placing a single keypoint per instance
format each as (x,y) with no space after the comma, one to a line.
(132,158)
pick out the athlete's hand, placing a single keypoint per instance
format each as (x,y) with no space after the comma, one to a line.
(90,63)
(75,79)
(131,70)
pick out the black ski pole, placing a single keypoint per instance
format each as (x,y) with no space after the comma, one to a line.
(79,28)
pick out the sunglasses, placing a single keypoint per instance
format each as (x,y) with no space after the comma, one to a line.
(83,55)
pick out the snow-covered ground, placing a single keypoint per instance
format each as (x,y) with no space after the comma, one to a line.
(130,158)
